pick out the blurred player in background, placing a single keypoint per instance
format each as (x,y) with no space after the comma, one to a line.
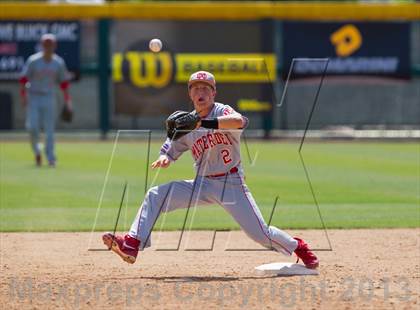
(41,74)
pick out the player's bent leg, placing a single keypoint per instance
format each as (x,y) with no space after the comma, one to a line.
(159,199)
(246,212)
(165,198)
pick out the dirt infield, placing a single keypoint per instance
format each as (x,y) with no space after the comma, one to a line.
(373,269)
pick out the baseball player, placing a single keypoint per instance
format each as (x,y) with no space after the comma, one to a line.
(212,134)
(40,75)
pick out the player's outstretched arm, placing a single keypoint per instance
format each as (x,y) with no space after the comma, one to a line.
(162,162)
(231,121)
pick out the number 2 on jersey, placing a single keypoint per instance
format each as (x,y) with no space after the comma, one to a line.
(226,156)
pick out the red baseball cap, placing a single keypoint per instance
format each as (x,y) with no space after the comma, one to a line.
(202,76)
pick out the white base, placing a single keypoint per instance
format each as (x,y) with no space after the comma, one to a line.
(284,269)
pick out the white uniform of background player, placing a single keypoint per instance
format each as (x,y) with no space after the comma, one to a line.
(215,148)
(40,76)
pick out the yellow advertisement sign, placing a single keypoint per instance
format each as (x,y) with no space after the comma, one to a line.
(253,105)
(228,68)
(143,68)
(156,70)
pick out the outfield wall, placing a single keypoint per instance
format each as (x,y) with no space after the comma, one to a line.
(353,102)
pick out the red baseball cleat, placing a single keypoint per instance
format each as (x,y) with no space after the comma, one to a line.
(305,254)
(126,247)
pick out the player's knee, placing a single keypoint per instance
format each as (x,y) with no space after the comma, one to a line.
(157,195)
(152,199)
(156,192)
(152,192)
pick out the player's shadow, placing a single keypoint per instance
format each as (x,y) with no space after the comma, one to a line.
(186,279)
(192,279)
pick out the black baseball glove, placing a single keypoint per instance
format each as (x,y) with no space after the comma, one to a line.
(66,114)
(181,123)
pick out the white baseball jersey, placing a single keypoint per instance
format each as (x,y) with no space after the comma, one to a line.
(43,76)
(214,151)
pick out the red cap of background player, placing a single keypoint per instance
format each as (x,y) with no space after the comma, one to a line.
(202,76)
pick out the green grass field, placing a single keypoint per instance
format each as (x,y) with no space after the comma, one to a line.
(358,185)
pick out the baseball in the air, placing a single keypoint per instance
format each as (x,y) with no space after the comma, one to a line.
(155,45)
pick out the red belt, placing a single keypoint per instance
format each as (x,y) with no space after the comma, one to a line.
(233,170)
